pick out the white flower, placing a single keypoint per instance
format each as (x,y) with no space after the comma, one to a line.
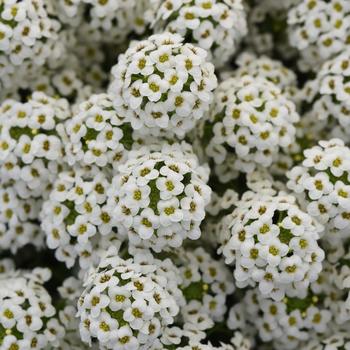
(159,197)
(76,213)
(135,305)
(161,82)
(26,307)
(323,181)
(251,117)
(212,25)
(271,240)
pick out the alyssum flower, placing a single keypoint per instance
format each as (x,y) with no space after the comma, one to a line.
(162,84)
(159,196)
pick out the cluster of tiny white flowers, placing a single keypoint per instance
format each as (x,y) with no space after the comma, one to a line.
(250,121)
(328,94)
(206,283)
(97,134)
(127,303)
(30,142)
(18,219)
(294,322)
(214,25)
(267,25)
(181,168)
(269,69)
(290,322)
(75,218)
(159,197)
(162,84)
(319,29)
(273,244)
(27,316)
(29,36)
(322,179)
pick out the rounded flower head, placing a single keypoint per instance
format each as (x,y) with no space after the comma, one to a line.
(159,196)
(27,317)
(31,145)
(206,283)
(289,323)
(76,219)
(127,303)
(18,220)
(327,96)
(97,134)
(162,84)
(250,122)
(273,244)
(319,30)
(323,181)
(29,37)
(269,69)
(215,25)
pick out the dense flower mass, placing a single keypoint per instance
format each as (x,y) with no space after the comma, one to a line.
(107,21)
(174,174)
(29,36)
(30,142)
(319,30)
(18,219)
(273,244)
(327,96)
(214,25)
(323,180)
(97,134)
(76,215)
(160,195)
(163,84)
(205,285)
(127,303)
(250,121)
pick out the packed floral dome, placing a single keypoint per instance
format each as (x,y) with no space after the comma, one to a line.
(163,84)
(174,174)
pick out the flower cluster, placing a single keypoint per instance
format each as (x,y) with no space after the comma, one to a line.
(182,170)
(127,303)
(322,179)
(253,119)
(18,219)
(214,25)
(206,283)
(159,196)
(97,134)
(162,84)
(30,142)
(327,96)
(75,218)
(29,36)
(27,316)
(273,244)
(269,69)
(293,321)
(319,30)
